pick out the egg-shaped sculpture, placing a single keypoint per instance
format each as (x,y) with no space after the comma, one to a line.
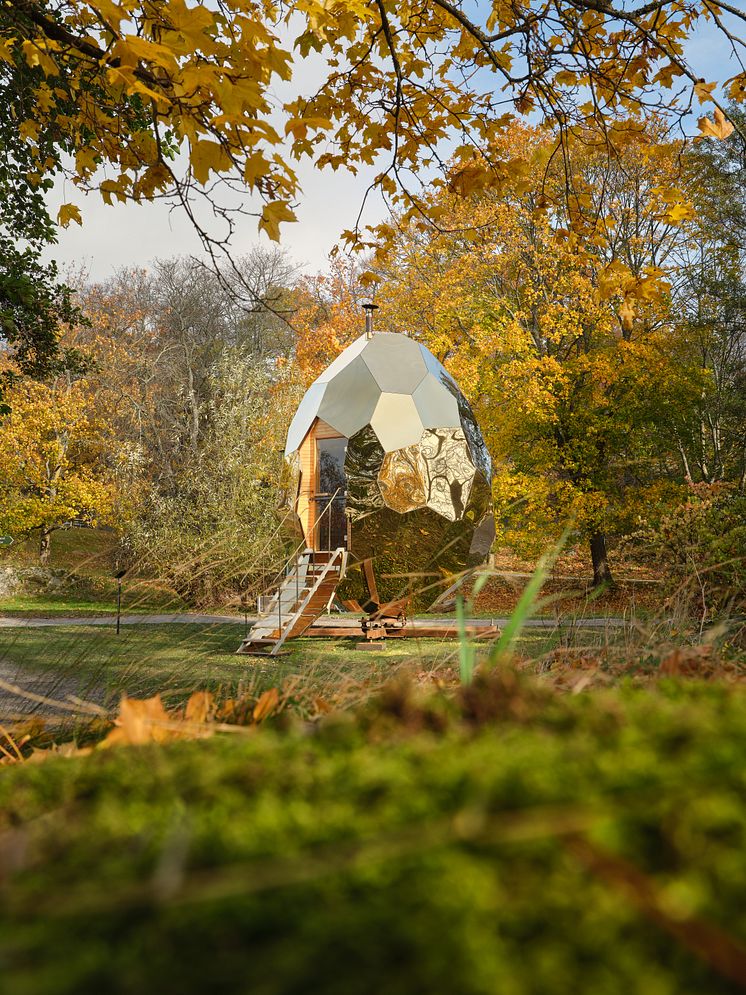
(390,464)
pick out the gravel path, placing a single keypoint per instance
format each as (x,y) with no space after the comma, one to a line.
(333,621)
(33,622)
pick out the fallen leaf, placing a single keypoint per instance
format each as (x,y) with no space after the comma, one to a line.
(200,707)
(266,705)
(141,721)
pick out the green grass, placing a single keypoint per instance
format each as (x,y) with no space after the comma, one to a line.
(138,597)
(89,554)
(79,550)
(520,843)
(176,659)
(142,660)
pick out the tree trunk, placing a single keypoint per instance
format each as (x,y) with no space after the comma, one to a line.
(45,545)
(600,558)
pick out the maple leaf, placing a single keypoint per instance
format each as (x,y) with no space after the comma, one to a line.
(680,212)
(141,721)
(273,215)
(704,90)
(208,156)
(68,213)
(720,128)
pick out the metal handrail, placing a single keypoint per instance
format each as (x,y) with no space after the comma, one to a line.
(301,608)
(294,555)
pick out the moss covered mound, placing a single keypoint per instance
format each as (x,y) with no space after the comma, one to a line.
(589,844)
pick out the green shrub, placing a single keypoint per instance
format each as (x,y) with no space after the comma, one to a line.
(530,844)
(701,549)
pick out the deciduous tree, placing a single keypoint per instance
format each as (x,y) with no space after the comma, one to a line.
(570,377)
(56,461)
(123,87)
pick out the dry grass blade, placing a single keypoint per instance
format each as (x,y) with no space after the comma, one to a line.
(79,706)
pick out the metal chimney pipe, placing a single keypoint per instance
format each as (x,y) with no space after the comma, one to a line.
(369,309)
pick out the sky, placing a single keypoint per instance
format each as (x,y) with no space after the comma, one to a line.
(125,235)
(113,237)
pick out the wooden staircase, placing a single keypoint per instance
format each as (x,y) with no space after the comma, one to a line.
(304,592)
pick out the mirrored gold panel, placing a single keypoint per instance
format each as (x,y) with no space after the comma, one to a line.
(417,472)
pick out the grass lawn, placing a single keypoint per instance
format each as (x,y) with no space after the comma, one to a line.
(176,659)
(89,554)
(82,551)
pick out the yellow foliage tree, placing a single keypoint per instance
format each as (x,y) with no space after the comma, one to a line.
(566,371)
(54,456)
(126,86)
(571,377)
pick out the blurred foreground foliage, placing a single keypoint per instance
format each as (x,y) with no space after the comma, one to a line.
(505,839)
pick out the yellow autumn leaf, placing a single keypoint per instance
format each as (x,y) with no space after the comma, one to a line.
(206,157)
(704,90)
(115,187)
(36,56)
(627,313)
(255,167)
(272,217)
(200,707)
(29,130)
(719,128)
(680,212)
(141,721)
(68,213)
(737,87)
(85,160)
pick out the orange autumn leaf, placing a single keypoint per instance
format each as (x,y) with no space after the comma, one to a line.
(141,721)
(266,705)
(719,128)
(201,707)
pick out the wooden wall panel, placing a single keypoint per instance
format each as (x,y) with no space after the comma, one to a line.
(307,452)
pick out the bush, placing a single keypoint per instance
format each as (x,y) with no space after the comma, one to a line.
(701,547)
(536,844)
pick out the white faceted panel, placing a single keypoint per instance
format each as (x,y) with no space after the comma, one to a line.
(395,361)
(343,359)
(350,398)
(308,409)
(436,405)
(435,367)
(396,421)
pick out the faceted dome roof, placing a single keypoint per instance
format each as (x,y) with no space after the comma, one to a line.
(395,385)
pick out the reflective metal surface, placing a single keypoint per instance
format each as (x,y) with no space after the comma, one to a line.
(437,407)
(304,416)
(396,421)
(362,462)
(416,468)
(350,398)
(401,480)
(395,361)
